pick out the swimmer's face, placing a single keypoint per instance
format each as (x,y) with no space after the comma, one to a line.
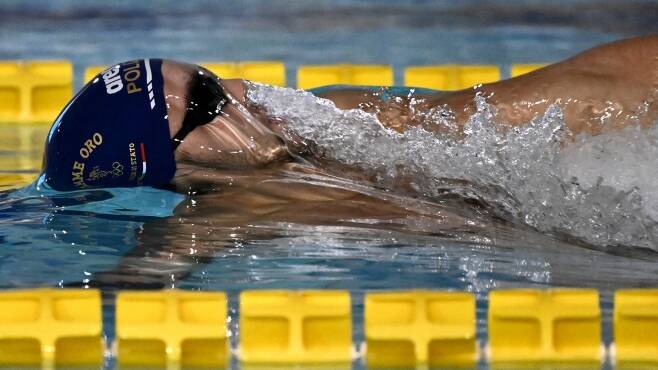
(224,133)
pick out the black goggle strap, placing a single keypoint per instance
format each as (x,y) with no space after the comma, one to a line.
(207,98)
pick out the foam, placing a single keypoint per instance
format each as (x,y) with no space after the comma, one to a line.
(598,189)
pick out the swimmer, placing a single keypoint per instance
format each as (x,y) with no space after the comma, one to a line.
(175,125)
(140,122)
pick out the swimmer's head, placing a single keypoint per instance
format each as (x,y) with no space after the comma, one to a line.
(131,124)
(212,125)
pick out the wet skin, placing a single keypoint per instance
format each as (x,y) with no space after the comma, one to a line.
(607,87)
(250,176)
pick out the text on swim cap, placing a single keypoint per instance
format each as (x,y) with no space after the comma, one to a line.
(114,82)
(77,174)
(91,144)
(132,74)
(133,161)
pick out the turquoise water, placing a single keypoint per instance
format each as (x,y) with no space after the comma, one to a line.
(161,239)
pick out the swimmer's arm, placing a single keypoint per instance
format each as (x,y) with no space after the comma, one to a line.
(618,77)
(614,79)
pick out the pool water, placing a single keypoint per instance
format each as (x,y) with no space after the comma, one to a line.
(150,238)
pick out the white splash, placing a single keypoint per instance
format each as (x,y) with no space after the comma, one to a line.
(599,189)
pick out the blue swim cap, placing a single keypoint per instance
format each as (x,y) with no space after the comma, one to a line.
(113,133)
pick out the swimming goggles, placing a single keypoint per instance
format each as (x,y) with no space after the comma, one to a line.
(206,100)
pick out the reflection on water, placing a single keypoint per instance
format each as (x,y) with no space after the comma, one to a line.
(209,244)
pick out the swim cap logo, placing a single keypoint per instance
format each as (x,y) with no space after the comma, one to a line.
(112,79)
(97,174)
(114,82)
